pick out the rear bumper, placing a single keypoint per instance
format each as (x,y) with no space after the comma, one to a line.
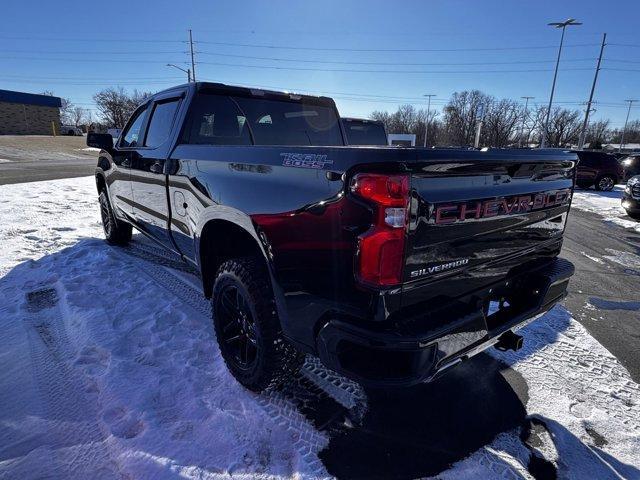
(413,351)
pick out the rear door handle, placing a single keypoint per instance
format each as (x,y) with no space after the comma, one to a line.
(156,168)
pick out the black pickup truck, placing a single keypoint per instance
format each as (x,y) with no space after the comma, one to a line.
(390,264)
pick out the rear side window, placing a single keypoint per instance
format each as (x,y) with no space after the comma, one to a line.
(161,123)
(279,122)
(216,120)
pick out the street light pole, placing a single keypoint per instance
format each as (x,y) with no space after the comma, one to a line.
(563,25)
(524,119)
(583,134)
(187,71)
(426,124)
(624,130)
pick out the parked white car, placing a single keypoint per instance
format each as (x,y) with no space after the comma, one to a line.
(70,130)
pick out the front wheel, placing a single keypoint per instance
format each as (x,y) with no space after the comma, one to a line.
(115,231)
(605,183)
(248,328)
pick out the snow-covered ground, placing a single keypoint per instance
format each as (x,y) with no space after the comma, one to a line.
(110,370)
(606,204)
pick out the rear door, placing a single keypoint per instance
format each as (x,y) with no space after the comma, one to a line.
(148,178)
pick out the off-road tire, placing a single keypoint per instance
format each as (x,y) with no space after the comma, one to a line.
(275,359)
(605,183)
(116,232)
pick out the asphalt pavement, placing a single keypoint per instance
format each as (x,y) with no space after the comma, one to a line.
(604,294)
(33,170)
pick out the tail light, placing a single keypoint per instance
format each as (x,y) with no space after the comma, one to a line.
(381,248)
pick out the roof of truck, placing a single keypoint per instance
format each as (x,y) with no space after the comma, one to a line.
(212,87)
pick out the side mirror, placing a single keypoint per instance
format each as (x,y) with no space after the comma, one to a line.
(103,141)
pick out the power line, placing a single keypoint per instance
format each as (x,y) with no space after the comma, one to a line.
(338,49)
(90,60)
(106,40)
(635,45)
(277,59)
(620,69)
(350,70)
(93,52)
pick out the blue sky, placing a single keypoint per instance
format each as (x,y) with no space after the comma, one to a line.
(504,48)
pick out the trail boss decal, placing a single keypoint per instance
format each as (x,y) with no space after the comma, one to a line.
(463,211)
(439,268)
(305,160)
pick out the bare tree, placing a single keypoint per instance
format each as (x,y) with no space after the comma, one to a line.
(408,119)
(564,127)
(116,106)
(78,115)
(501,122)
(462,114)
(598,133)
(632,134)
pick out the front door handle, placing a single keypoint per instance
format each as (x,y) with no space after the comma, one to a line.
(156,168)
(126,163)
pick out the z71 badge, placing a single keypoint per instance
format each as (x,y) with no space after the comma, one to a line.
(305,160)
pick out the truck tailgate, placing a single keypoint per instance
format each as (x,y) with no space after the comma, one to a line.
(473,223)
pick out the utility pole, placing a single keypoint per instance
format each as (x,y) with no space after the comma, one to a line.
(624,130)
(583,134)
(476,142)
(193,63)
(563,26)
(524,119)
(426,126)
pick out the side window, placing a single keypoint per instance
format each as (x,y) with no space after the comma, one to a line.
(216,120)
(161,122)
(131,136)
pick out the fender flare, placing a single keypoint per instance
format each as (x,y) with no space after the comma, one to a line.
(243,221)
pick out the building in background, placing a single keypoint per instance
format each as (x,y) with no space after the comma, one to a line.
(28,113)
(402,139)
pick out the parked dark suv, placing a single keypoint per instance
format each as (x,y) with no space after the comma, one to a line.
(631,197)
(598,169)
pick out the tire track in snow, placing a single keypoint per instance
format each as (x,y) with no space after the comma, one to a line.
(78,440)
(315,394)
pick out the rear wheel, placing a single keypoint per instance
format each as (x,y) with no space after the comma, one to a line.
(605,183)
(248,328)
(115,231)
